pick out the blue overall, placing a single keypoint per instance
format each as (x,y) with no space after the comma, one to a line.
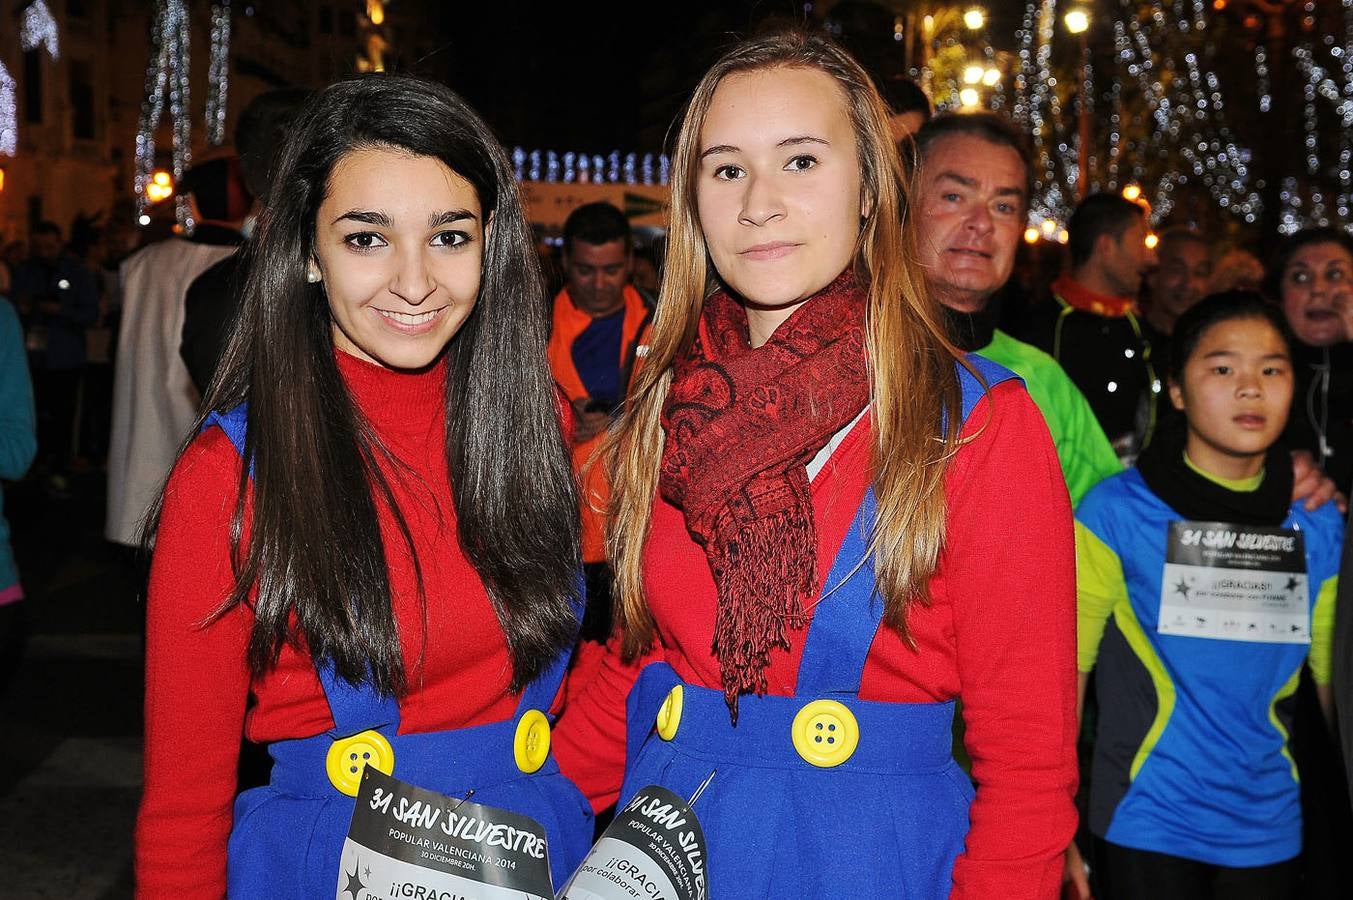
(288,835)
(887,822)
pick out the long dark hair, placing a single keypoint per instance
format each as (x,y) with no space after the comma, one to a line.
(314,551)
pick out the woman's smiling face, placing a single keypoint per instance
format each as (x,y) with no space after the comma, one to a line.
(399,240)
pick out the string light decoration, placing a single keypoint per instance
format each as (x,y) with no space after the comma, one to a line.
(582,168)
(1262,82)
(218,72)
(166,80)
(39,29)
(1038,107)
(9,122)
(1305,200)
(1159,66)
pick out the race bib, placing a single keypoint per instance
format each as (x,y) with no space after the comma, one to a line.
(408,842)
(1235,583)
(654,849)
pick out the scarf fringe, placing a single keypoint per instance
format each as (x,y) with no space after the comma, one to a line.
(766,600)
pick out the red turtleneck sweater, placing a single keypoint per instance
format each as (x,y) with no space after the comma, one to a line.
(199,695)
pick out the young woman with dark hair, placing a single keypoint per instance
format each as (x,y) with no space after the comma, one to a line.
(829,525)
(370,544)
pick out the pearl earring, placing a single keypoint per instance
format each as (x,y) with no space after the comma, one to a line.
(312,273)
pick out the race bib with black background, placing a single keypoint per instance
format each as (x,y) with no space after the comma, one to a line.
(406,842)
(654,849)
(1235,583)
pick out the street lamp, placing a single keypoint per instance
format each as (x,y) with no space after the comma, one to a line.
(975,18)
(973,74)
(969,97)
(1077,22)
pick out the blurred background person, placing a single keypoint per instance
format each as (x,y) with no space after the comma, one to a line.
(1093,328)
(598,331)
(214,297)
(908,106)
(56,295)
(18,444)
(1236,270)
(974,188)
(154,401)
(1179,280)
(1311,275)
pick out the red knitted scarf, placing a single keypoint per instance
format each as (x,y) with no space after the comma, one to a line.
(741,426)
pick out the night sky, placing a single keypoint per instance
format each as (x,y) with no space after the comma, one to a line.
(606,76)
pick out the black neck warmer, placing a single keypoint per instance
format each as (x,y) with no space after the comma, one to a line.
(1199,499)
(971,331)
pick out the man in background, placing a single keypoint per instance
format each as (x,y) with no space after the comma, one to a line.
(598,328)
(1093,329)
(974,189)
(154,400)
(214,298)
(57,299)
(908,106)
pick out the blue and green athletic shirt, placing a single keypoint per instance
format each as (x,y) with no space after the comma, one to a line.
(1191,754)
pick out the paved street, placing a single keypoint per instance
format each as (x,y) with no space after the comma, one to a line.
(71,713)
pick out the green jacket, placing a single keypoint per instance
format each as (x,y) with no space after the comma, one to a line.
(1084,451)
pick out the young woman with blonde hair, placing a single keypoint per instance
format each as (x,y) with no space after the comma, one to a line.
(828,526)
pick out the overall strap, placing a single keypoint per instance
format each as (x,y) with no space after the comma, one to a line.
(540,694)
(849,611)
(846,618)
(235,424)
(355,708)
(992,373)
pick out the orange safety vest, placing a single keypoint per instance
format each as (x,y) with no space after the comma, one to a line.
(566,324)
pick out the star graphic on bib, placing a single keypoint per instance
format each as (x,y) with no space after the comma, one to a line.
(1182,587)
(355,886)
(1291,583)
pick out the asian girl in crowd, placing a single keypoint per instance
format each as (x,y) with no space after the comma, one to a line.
(369,549)
(829,525)
(1203,590)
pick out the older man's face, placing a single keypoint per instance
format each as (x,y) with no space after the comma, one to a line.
(972,209)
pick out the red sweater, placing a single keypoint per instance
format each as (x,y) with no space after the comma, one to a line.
(999,633)
(199,695)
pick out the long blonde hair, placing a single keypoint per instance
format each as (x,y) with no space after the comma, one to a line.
(911,362)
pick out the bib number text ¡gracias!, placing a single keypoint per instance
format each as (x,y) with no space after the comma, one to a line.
(1235,583)
(654,849)
(406,842)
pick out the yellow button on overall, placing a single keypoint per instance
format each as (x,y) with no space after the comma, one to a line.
(348,756)
(531,746)
(825,733)
(669,715)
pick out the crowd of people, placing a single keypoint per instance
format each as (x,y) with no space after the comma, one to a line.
(846,527)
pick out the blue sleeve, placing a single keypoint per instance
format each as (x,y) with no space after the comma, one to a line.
(18,440)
